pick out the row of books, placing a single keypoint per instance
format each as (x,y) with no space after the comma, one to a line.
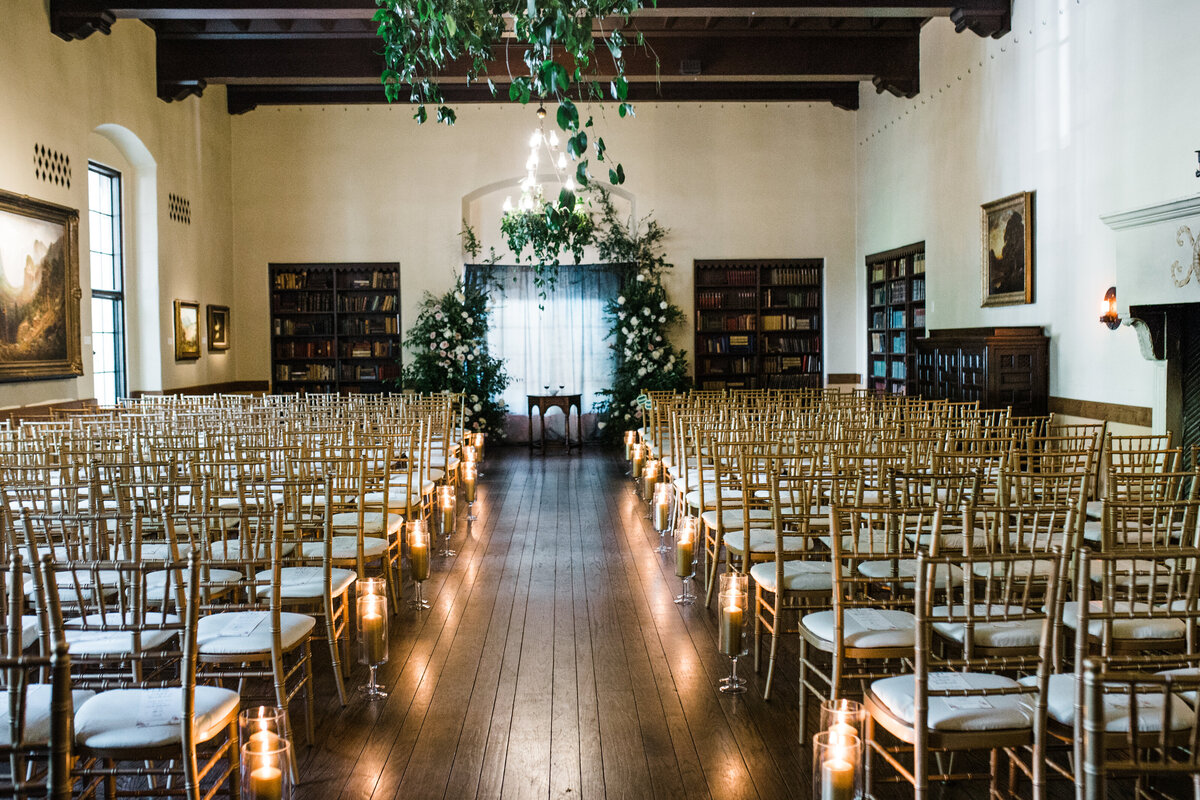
(715,366)
(718,345)
(794,275)
(789,322)
(304,303)
(747,382)
(741,322)
(314,349)
(726,277)
(307,372)
(298,327)
(360,327)
(370,372)
(739,298)
(383,302)
(794,344)
(791,364)
(918,290)
(376,280)
(366,350)
(790,298)
(300,280)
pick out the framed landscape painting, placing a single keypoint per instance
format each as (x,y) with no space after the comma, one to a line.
(39,290)
(1008,250)
(187,330)
(218,327)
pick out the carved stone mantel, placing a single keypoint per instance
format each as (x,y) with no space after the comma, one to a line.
(1158,265)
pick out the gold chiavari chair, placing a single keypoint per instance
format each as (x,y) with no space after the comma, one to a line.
(967,700)
(153,727)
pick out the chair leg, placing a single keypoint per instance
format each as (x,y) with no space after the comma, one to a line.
(310,695)
(235,761)
(774,650)
(803,691)
(331,639)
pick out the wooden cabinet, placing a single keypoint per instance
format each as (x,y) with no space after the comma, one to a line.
(999,367)
(895,317)
(758,323)
(335,327)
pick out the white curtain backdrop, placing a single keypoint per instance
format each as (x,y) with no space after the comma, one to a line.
(560,344)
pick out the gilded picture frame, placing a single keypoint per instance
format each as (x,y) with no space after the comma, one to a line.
(1008,264)
(187,330)
(39,290)
(218,327)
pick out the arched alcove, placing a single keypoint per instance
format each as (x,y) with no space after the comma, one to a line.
(144,339)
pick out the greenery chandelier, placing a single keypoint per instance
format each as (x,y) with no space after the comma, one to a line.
(423,38)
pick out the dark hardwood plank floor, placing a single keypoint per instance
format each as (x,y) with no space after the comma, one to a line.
(554,664)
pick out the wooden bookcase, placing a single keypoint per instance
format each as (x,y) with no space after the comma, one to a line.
(895,317)
(334,327)
(999,367)
(759,323)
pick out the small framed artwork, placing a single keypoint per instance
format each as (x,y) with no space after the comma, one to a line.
(39,290)
(218,327)
(187,330)
(1008,250)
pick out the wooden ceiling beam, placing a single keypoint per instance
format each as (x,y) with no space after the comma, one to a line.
(241,98)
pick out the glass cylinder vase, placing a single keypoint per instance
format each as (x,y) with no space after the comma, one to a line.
(837,771)
(266,770)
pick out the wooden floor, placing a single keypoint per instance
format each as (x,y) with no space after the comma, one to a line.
(554,663)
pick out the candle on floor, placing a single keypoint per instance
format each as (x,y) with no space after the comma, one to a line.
(477,442)
(374,633)
(470,454)
(470,473)
(630,441)
(650,478)
(264,776)
(662,506)
(639,460)
(684,548)
(730,634)
(837,780)
(418,550)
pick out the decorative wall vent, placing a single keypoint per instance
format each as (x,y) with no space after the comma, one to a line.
(51,166)
(181,209)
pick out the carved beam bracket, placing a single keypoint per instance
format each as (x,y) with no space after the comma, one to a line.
(79,19)
(171,91)
(907,87)
(983,23)
(1150,326)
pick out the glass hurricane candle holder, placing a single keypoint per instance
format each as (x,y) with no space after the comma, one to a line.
(418,561)
(266,770)
(837,771)
(685,557)
(638,461)
(650,478)
(660,512)
(372,630)
(843,716)
(470,476)
(630,441)
(477,442)
(733,603)
(264,726)
(447,507)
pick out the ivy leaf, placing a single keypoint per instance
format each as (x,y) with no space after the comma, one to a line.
(622,88)
(554,77)
(420,116)
(446,114)
(581,175)
(625,110)
(566,199)
(491,87)
(577,145)
(601,148)
(568,115)
(616,176)
(451,25)
(518,90)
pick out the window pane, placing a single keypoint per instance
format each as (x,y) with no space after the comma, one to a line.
(108,336)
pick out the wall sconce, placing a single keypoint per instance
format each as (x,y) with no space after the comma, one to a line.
(1110,317)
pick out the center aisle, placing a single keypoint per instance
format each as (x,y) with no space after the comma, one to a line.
(554,663)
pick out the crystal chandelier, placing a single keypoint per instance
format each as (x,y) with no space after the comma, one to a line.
(543,147)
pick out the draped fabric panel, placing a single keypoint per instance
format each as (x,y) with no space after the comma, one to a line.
(552,345)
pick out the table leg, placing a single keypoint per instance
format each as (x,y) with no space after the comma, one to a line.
(531,429)
(543,418)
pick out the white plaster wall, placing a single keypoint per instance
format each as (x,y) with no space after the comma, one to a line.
(1087,102)
(369,184)
(56,93)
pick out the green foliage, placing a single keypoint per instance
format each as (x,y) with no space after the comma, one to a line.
(547,233)
(640,318)
(421,38)
(448,348)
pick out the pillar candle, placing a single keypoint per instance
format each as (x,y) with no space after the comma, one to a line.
(418,557)
(374,633)
(266,783)
(683,558)
(639,460)
(730,631)
(469,477)
(837,779)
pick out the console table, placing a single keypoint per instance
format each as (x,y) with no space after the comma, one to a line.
(545,402)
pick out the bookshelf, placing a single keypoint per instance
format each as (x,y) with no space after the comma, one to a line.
(334,327)
(895,317)
(758,323)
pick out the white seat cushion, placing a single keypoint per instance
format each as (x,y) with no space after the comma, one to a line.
(94,642)
(37,712)
(234,632)
(999,633)
(302,583)
(1021,569)
(1060,706)
(372,521)
(907,568)
(141,718)
(692,498)
(31,628)
(1095,509)
(734,518)
(798,576)
(1133,628)
(346,548)
(231,550)
(762,540)
(1092,529)
(865,628)
(971,713)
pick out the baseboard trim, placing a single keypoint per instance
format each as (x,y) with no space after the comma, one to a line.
(1096,409)
(842,378)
